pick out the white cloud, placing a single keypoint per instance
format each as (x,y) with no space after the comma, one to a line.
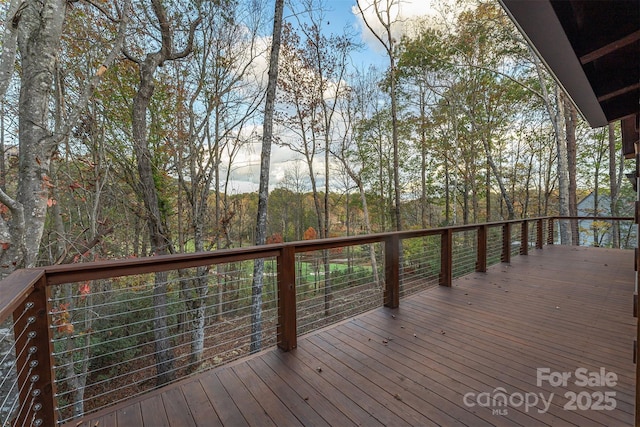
(402,13)
(245,169)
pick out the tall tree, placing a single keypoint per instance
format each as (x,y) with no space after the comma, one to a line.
(383,11)
(263,191)
(571,123)
(38,27)
(216,102)
(147,173)
(614,184)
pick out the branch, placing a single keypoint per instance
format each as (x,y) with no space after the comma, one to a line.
(102,10)
(81,247)
(129,56)
(9,202)
(95,80)
(189,47)
(369,26)
(10,44)
(165,29)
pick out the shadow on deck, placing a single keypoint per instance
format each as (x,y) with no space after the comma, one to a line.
(442,358)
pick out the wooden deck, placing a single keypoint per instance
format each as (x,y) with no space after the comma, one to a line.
(438,359)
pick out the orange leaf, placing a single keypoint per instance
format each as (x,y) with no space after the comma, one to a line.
(275,238)
(84,290)
(47,182)
(66,328)
(101,70)
(310,234)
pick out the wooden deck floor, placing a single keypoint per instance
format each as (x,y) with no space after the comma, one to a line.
(441,352)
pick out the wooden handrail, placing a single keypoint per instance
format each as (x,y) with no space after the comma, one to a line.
(15,289)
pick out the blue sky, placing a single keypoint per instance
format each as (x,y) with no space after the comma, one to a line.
(337,15)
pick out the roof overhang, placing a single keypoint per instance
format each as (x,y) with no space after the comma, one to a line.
(592,48)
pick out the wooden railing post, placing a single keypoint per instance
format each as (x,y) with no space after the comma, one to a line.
(539,234)
(550,231)
(392,271)
(506,242)
(481,262)
(524,238)
(34,366)
(446,257)
(287,318)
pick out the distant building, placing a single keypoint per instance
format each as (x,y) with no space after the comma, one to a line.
(599,233)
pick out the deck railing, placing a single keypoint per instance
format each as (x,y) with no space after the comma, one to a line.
(81,337)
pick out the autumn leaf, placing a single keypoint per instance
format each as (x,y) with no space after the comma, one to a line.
(84,290)
(47,182)
(51,202)
(310,234)
(101,70)
(66,328)
(61,319)
(275,238)
(5,245)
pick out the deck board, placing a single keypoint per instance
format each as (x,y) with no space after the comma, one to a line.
(561,308)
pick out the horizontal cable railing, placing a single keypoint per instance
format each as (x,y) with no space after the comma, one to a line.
(464,252)
(77,338)
(420,262)
(335,284)
(495,237)
(110,336)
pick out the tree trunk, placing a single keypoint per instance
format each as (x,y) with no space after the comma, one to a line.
(39,33)
(263,191)
(613,187)
(556,116)
(447,194)
(570,119)
(563,169)
(383,16)
(147,189)
(155,226)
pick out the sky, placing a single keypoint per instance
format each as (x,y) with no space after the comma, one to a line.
(339,14)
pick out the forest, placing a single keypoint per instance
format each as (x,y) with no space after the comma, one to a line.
(123,133)
(138,128)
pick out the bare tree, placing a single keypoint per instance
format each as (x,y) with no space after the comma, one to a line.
(158,233)
(353,154)
(615,179)
(263,191)
(219,99)
(383,10)
(570,123)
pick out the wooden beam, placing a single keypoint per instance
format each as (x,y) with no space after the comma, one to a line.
(539,238)
(618,92)
(392,271)
(446,257)
(481,262)
(611,47)
(287,317)
(34,347)
(506,242)
(524,238)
